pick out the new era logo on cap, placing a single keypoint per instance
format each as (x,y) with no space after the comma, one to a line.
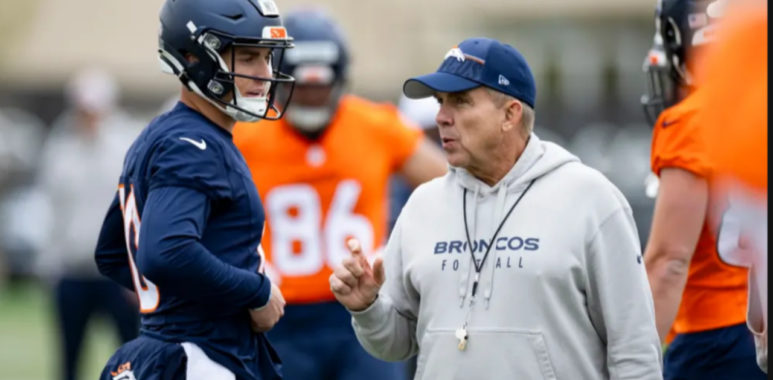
(478,62)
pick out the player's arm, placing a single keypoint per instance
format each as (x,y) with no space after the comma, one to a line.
(426,163)
(680,210)
(619,299)
(172,256)
(110,254)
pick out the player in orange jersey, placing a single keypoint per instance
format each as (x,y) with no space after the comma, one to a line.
(698,296)
(322,173)
(735,117)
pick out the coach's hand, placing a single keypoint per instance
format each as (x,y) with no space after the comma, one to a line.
(355,283)
(265,317)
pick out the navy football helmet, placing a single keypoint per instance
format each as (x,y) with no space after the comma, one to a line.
(319,62)
(680,27)
(195,34)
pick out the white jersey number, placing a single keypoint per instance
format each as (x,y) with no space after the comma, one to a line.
(742,238)
(729,237)
(300,244)
(147,292)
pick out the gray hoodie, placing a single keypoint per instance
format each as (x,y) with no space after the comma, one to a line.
(563,293)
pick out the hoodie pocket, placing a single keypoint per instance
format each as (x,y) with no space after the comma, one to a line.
(490,354)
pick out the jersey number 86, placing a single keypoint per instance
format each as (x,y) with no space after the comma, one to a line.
(318,244)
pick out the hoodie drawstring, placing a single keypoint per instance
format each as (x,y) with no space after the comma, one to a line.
(466,268)
(478,268)
(498,210)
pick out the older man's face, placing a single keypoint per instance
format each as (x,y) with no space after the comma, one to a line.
(469,124)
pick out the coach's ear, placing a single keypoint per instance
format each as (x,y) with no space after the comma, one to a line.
(513,114)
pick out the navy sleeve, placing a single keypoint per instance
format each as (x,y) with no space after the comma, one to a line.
(172,257)
(180,161)
(110,254)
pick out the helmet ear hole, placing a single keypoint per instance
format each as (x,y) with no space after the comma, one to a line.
(191,59)
(216,87)
(671,35)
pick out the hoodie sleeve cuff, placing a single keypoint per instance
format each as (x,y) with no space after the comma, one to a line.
(373,315)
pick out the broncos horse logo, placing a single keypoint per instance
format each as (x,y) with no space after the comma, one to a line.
(456,53)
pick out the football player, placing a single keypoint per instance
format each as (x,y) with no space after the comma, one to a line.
(735,117)
(184,228)
(700,299)
(322,173)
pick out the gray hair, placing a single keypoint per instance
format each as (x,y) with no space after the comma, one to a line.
(527,116)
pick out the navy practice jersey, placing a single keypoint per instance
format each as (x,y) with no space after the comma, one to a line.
(188,214)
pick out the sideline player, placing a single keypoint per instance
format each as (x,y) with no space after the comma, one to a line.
(323,173)
(698,296)
(735,115)
(187,211)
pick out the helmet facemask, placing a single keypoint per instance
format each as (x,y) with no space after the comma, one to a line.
(317,97)
(661,86)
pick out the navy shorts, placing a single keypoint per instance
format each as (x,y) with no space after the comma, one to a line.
(316,341)
(147,358)
(721,354)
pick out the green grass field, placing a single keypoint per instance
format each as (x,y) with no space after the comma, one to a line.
(29,342)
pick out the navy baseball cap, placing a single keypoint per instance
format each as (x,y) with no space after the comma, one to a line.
(478,62)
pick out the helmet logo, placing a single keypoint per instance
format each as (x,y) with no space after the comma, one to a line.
(275,32)
(278,33)
(456,53)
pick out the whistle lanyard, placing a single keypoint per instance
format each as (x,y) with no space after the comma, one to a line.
(478,268)
(461,333)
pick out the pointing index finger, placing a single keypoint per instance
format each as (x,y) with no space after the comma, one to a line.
(354,247)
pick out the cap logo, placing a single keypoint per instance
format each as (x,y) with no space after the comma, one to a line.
(503,81)
(456,53)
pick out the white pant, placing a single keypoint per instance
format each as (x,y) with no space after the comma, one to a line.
(201,367)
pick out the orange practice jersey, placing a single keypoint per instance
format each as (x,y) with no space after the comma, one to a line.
(319,194)
(736,87)
(715,293)
(736,120)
